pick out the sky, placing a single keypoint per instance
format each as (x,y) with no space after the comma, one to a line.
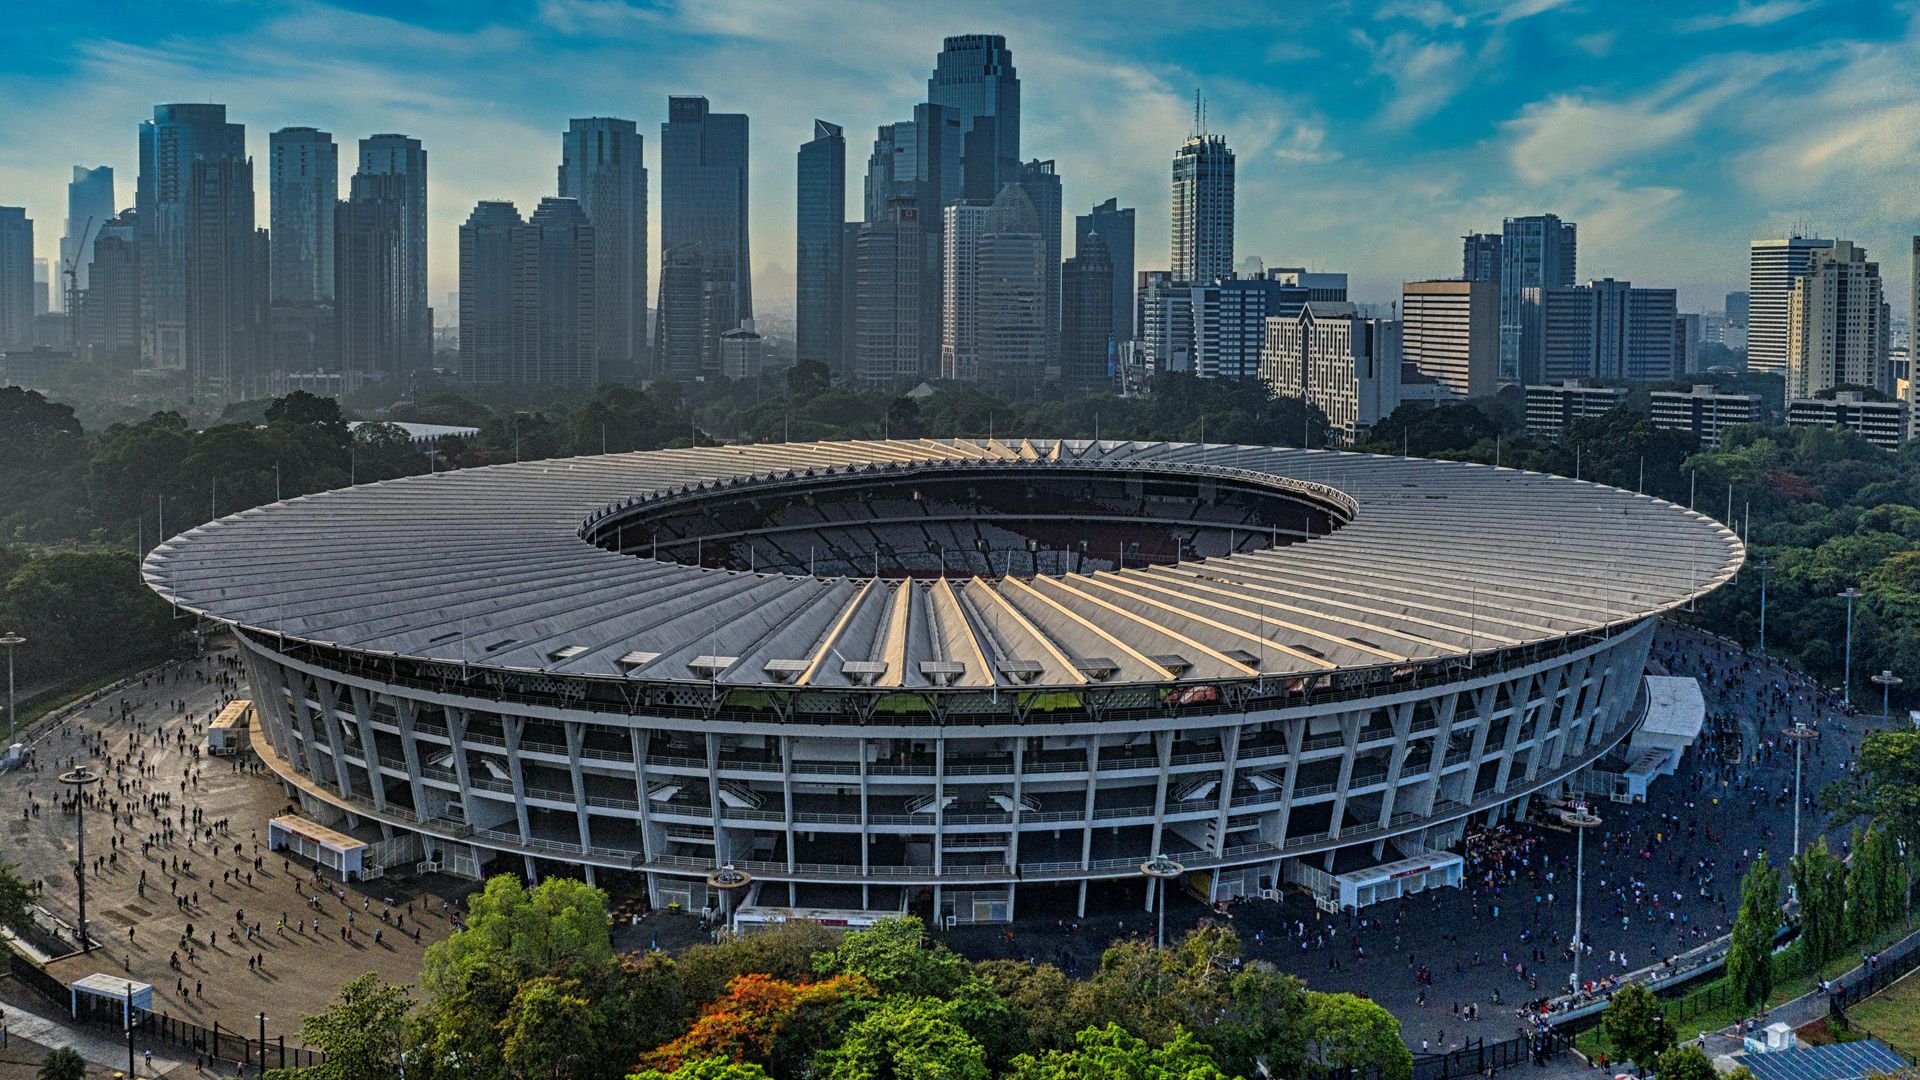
(1369,135)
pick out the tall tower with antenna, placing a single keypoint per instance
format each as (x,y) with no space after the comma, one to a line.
(1202,203)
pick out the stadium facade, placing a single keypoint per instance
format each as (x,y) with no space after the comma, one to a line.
(865,673)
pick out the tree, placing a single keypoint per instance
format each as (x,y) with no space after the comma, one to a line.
(1265,1024)
(705,1069)
(1821,882)
(1750,950)
(784,952)
(63,1063)
(896,957)
(1686,1063)
(1346,1031)
(1109,1053)
(1876,882)
(905,1038)
(1884,784)
(551,1032)
(559,927)
(361,1035)
(1635,1025)
(1040,1002)
(15,897)
(751,1021)
(1153,992)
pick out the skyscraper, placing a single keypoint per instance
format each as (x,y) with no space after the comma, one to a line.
(890,305)
(1010,294)
(1536,253)
(1115,226)
(917,159)
(1837,324)
(959,282)
(820,225)
(1772,268)
(703,202)
(603,168)
(682,333)
(1202,209)
(16,278)
(90,206)
(1086,315)
(106,324)
(371,280)
(1346,366)
(401,156)
(1607,329)
(1480,257)
(304,189)
(202,283)
(487,345)
(1042,186)
(975,78)
(554,295)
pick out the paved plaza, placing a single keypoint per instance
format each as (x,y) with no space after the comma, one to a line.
(206,929)
(181,891)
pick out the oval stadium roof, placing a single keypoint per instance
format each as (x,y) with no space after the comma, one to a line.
(487,567)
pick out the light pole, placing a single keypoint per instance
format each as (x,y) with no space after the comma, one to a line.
(729,880)
(1799,733)
(80,780)
(1846,687)
(1579,817)
(128,1016)
(10,641)
(1887,681)
(263,1042)
(1158,871)
(1763,566)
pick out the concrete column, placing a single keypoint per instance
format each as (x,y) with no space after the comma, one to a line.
(1013,830)
(1163,746)
(1445,709)
(786,798)
(939,813)
(336,743)
(576,738)
(866,814)
(1396,760)
(406,716)
(516,727)
(457,739)
(722,852)
(1295,732)
(369,746)
(1522,691)
(303,715)
(1086,830)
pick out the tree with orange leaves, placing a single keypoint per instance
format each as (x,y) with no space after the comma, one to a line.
(758,1018)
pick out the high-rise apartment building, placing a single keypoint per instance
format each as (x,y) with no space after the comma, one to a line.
(1607,329)
(1203,209)
(398,155)
(1536,253)
(1705,411)
(1838,324)
(1114,225)
(371,332)
(106,323)
(488,349)
(603,168)
(891,308)
(1086,316)
(16,278)
(1450,331)
(1041,183)
(743,352)
(959,282)
(1346,366)
(1772,268)
(703,206)
(90,205)
(1230,320)
(303,191)
(974,77)
(820,252)
(1480,257)
(1553,408)
(202,273)
(1737,307)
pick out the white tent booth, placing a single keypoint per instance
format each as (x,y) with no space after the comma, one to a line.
(101,993)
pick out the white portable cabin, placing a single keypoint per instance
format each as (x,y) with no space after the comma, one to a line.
(227,732)
(750,920)
(101,992)
(329,848)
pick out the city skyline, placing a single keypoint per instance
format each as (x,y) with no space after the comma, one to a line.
(1392,131)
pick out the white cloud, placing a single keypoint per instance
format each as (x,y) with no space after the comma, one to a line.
(1764,13)
(1425,74)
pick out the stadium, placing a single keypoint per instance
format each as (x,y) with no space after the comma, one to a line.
(887,674)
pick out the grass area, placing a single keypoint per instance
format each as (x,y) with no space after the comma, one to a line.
(1698,1010)
(1892,1015)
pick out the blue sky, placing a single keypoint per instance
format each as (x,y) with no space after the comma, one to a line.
(1370,135)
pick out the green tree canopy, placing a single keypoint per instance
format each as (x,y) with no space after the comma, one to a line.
(362,1035)
(1636,1026)
(905,1038)
(1109,1053)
